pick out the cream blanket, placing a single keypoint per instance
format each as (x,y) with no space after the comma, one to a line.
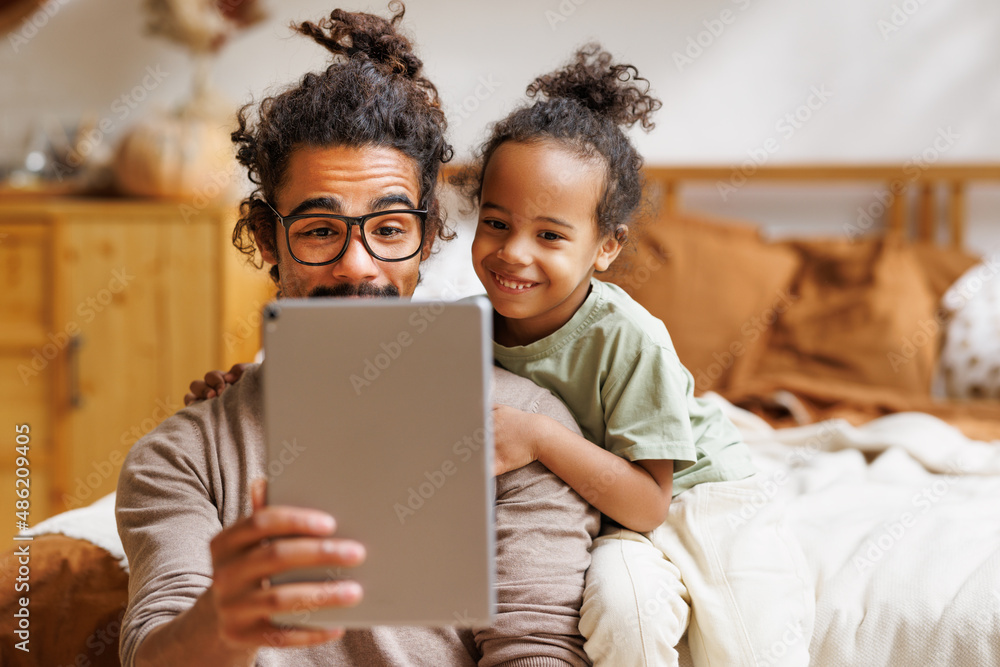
(900,522)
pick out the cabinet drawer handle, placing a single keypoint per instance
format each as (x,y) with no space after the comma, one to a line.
(73,350)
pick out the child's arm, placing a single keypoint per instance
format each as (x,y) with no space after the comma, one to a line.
(636,495)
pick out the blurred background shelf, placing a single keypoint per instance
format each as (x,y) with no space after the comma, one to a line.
(111,307)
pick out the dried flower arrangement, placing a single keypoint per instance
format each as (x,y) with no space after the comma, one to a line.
(201,26)
(187,154)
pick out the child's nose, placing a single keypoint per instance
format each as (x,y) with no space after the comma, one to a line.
(514,251)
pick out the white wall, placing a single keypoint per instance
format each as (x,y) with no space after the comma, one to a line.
(894,72)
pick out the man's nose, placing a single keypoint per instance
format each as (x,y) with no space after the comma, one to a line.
(356,265)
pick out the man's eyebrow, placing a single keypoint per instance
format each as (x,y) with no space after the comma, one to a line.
(544,218)
(385,201)
(328,204)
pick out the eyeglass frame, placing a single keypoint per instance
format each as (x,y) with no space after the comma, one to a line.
(360,220)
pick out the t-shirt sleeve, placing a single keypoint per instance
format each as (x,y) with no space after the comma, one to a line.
(645,409)
(166,519)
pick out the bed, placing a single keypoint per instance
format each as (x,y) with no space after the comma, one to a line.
(833,357)
(842,361)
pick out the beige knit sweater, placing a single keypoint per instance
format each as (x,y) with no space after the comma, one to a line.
(187,479)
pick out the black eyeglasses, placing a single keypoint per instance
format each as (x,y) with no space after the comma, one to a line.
(317,239)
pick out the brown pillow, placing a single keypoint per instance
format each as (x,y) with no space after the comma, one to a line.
(863,313)
(942,266)
(715,284)
(77,597)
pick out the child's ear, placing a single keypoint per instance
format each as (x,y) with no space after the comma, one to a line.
(610,248)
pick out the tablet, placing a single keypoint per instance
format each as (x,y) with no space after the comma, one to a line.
(377,411)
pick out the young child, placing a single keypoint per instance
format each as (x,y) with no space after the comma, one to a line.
(557,183)
(686,544)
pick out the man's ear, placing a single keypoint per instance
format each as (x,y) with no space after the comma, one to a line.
(425,252)
(262,216)
(266,248)
(610,248)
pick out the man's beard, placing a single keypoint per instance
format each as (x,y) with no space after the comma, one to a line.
(361,289)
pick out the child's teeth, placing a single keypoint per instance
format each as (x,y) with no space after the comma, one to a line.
(507,283)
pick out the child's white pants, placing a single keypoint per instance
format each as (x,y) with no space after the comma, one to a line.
(723,567)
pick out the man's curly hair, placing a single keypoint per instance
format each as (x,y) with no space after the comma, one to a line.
(372,94)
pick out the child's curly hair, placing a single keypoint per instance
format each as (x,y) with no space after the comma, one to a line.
(372,94)
(584,106)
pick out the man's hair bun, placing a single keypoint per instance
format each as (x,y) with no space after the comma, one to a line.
(614,91)
(359,35)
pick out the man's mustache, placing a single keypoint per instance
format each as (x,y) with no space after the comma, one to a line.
(360,289)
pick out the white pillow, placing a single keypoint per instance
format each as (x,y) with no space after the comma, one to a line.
(970,358)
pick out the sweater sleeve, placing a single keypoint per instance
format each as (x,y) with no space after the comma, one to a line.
(166,519)
(544,533)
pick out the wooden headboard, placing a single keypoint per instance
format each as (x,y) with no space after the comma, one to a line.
(926,181)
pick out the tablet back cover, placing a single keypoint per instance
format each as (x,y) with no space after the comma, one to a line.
(377,411)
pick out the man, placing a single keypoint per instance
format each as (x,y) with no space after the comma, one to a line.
(363,137)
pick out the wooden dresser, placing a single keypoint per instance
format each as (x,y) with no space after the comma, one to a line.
(108,309)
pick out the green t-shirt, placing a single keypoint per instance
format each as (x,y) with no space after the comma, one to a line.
(615,368)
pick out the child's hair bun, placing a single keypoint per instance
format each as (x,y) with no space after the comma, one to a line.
(359,35)
(615,91)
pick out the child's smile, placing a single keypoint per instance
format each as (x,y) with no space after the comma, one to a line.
(512,285)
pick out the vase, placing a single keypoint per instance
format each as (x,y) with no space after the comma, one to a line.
(185,154)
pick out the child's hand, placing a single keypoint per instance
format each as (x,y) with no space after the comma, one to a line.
(514,436)
(214,384)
